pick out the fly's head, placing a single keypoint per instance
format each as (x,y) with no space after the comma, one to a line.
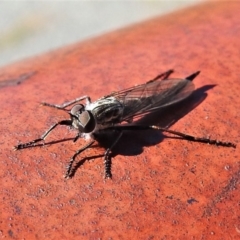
(82,119)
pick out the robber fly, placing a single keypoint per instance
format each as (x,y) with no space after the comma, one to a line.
(108,112)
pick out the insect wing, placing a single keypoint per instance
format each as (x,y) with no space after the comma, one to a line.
(151,96)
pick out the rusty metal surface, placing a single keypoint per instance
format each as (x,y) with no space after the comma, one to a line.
(161,187)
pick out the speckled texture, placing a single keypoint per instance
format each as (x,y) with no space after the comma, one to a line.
(161,187)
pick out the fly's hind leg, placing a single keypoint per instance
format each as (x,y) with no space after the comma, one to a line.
(163,76)
(192,76)
(182,135)
(66,104)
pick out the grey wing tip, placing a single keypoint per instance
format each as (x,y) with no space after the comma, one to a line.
(192,76)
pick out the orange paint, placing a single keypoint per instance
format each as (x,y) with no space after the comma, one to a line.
(161,187)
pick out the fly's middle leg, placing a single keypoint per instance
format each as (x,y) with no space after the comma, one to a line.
(107,159)
(69,173)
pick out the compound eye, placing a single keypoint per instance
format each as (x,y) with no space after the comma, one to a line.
(84,119)
(77,109)
(86,122)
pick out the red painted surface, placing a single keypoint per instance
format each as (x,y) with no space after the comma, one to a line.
(161,188)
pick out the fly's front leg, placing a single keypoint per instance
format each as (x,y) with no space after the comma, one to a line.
(42,138)
(107,160)
(66,104)
(69,173)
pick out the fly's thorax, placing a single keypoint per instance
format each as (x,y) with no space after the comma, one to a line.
(106,110)
(82,119)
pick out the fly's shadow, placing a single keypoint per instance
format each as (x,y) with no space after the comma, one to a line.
(132,142)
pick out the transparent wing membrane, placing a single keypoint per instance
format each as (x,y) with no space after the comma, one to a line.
(152,96)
